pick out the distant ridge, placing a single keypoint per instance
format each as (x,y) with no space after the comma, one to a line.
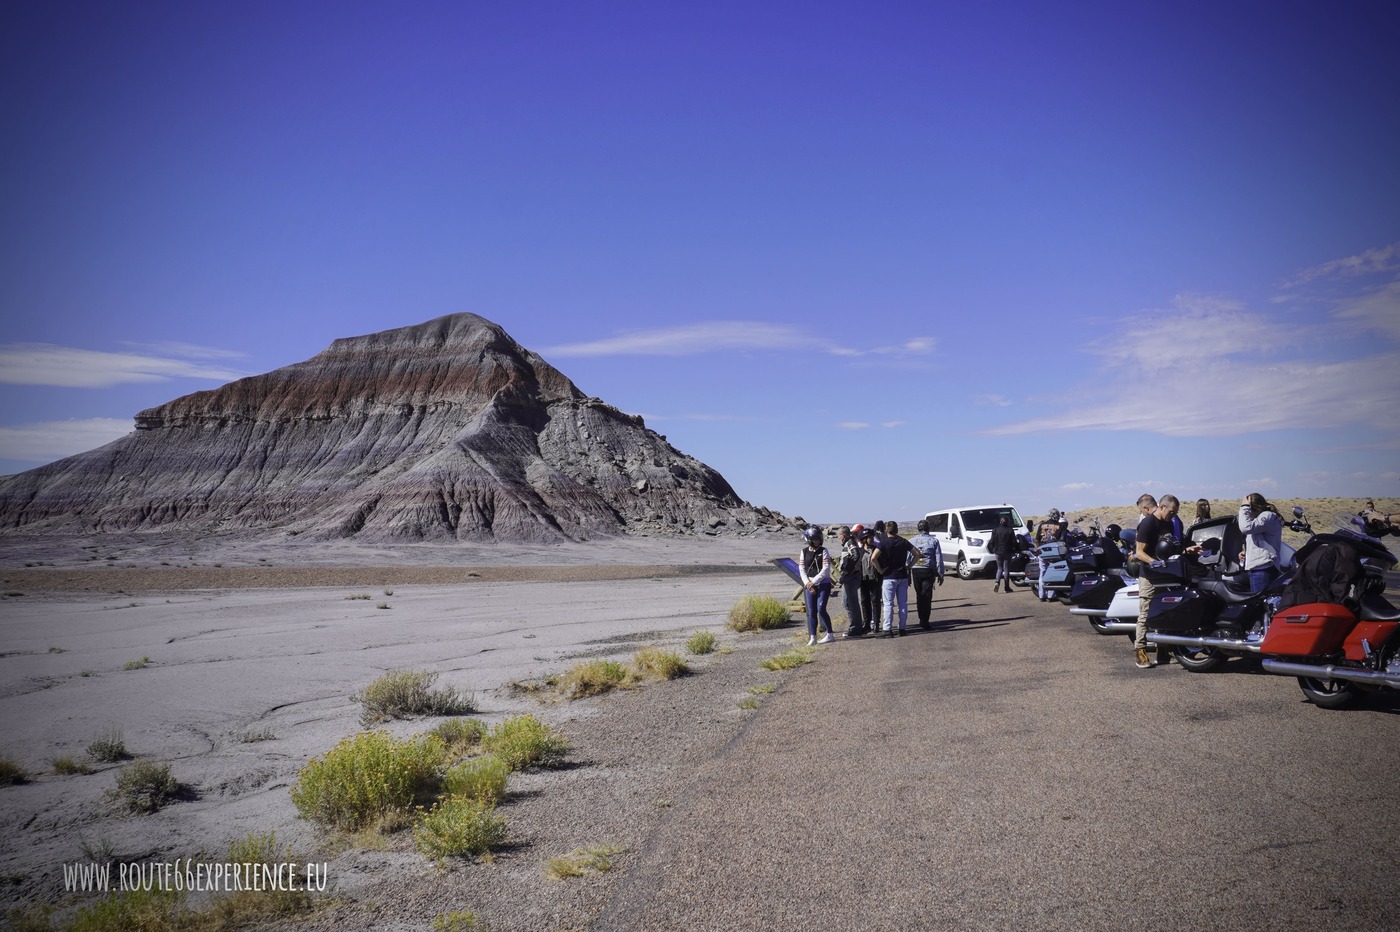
(444,430)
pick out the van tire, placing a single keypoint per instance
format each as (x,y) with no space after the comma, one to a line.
(965,570)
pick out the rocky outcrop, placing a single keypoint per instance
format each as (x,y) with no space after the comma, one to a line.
(445,430)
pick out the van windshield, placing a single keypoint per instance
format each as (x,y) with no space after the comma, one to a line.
(984,519)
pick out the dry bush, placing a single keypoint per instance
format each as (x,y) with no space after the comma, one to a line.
(757,612)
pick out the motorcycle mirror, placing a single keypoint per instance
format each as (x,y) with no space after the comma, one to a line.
(1297,511)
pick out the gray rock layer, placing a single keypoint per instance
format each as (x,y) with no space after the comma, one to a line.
(445,430)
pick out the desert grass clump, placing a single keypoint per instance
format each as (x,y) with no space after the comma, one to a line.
(109,747)
(457,921)
(795,657)
(136,664)
(597,859)
(701,642)
(11,772)
(757,612)
(406,693)
(153,910)
(461,735)
(655,663)
(243,908)
(456,828)
(253,737)
(524,741)
(369,778)
(593,678)
(145,786)
(482,779)
(66,766)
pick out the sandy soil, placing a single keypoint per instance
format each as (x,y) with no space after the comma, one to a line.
(238,651)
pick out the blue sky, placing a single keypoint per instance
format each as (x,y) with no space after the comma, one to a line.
(864,260)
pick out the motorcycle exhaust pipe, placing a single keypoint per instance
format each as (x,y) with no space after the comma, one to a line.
(1222,643)
(1333,672)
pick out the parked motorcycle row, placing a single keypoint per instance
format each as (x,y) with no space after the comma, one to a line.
(1324,620)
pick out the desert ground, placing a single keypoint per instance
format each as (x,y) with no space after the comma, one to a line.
(253,653)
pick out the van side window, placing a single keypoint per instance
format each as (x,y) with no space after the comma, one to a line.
(938,524)
(956,528)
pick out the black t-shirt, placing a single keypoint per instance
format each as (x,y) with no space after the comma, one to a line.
(1149,532)
(894,554)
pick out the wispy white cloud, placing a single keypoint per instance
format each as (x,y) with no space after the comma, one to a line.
(853,425)
(1369,262)
(51,440)
(186,350)
(727,335)
(68,367)
(892,423)
(1209,366)
(993,401)
(1076,486)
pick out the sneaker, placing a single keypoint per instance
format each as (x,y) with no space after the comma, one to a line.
(926,625)
(1142,662)
(901,632)
(811,641)
(853,634)
(828,639)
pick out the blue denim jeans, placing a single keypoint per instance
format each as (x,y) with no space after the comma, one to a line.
(1259,579)
(816,608)
(895,590)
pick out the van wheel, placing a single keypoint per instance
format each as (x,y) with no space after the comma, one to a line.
(964,568)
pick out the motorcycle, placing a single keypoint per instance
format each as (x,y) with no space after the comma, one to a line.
(1349,645)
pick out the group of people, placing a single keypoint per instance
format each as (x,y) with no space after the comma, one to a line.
(1261,558)
(875,571)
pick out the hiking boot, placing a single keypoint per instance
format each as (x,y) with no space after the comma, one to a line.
(828,639)
(1142,662)
(901,632)
(926,625)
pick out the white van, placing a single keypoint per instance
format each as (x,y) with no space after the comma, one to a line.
(963,534)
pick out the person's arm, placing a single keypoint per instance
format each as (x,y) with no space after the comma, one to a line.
(875,560)
(802,569)
(825,574)
(938,559)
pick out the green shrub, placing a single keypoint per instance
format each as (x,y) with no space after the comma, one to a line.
(755,612)
(136,664)
(145,786)
(593,678)
(482,779)
(597,859)
(405,693)
(252,737)
(458,828)
(153,910)
(69,765)
(367,777)
(243,908)
(658,664)
(461,735)
(11,772)
(108,747)
(524,742)
(795,657)
(701,642)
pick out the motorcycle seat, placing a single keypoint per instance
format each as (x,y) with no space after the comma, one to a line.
(1376,608)
(1230,595)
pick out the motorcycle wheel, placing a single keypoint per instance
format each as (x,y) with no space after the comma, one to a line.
(1199,659)
(964,568)
(1330,694)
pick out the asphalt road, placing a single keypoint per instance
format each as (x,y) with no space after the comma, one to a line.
(1014,770)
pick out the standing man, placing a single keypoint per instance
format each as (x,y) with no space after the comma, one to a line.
(891,560)
(869,582)
(926,572)
(1002,545)
(1154,525)
(850,582)
(814,564)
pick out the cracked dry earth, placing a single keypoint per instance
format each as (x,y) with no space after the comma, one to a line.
(281,664)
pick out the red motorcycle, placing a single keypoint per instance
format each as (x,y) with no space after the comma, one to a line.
(1334,630)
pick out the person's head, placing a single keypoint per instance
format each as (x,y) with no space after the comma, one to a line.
(1054,515)
(891,528)
(843,534)
(1168,506)
(813,536)
(1258,503)
(923,525)
(1002,521)
(1146,503)
(1202,510)
(880,527)
(867,536)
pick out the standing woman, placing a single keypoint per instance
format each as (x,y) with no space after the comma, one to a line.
(1202,511)
(1263,540)
(815,567)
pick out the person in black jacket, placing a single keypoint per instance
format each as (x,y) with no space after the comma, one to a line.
(1002,545)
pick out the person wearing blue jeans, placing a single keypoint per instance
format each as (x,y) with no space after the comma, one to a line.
(1263,540)
(814,566)
(891,558)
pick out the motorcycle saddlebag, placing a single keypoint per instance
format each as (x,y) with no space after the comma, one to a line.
(1095,591)
(1313,629)
(1052,551)
(1180,610)
(1057,576)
